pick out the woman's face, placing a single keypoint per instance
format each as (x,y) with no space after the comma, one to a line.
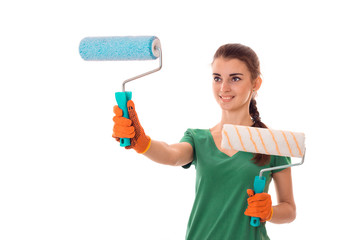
(232,85)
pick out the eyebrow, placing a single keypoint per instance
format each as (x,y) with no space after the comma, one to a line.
(232,74)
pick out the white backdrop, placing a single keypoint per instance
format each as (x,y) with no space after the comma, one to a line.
(62,176)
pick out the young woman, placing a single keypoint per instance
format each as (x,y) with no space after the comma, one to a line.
(224,202)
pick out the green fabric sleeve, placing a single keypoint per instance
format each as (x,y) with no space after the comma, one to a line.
(279,161)
(189,138)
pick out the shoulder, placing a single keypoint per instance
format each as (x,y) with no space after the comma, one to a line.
(279,161)
(193,135)
(197,132)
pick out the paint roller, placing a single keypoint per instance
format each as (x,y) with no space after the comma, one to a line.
(264,141)
(122,49)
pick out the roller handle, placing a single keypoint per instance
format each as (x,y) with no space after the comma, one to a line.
(259,185)
(122,98)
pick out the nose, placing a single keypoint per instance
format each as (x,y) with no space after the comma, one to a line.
(225,86)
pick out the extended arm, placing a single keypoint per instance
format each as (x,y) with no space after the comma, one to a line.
(177,154)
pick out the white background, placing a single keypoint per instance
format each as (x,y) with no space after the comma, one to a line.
(62,176)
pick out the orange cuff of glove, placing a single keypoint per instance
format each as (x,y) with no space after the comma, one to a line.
(272,213)
(142,145)
(259,205)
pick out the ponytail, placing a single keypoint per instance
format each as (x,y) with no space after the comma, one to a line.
(259,159)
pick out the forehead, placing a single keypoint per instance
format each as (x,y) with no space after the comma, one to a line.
(228,66)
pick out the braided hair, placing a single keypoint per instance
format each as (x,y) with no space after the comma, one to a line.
(259,159)
(249,57)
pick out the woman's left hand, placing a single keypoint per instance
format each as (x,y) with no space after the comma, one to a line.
(259,205)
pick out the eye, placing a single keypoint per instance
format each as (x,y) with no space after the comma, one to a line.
(236,79)
(217,79)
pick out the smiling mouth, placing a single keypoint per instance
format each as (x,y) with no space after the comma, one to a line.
(226,98)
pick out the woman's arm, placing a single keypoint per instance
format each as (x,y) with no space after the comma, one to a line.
(285,211)
(178,154)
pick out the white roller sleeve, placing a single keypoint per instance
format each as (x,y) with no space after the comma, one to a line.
(263,140)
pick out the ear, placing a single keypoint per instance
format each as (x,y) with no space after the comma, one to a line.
(257,83)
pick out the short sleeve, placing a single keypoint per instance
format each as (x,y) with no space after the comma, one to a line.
(189,138)
(279,161)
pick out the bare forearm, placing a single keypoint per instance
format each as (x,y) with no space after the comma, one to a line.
(283,213)
(177,154)
(160,152)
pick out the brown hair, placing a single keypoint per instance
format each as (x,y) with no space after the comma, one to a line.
(249,57)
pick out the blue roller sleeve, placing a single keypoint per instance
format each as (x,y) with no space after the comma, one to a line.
(259,185)
(117,48)
(122,98)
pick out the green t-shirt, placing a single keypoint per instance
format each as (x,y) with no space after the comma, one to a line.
(221,184)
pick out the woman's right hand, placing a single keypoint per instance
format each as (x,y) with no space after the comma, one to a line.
(122,126)
(130,128)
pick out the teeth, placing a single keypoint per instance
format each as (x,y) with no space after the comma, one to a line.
(227,98)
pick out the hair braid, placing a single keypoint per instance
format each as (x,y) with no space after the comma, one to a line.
(259,159)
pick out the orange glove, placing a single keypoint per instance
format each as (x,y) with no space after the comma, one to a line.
(130,128)
(259,205)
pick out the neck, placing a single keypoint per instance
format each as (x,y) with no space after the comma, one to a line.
(236,118)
